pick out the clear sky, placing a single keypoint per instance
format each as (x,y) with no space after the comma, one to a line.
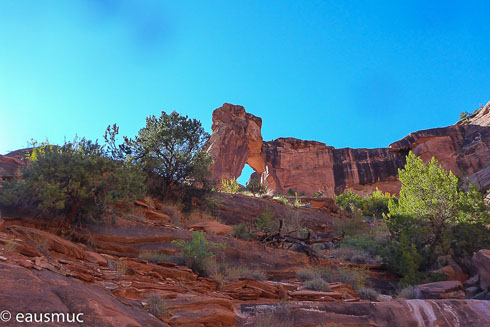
(347,73)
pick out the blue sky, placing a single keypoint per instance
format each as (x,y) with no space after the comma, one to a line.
(347,73)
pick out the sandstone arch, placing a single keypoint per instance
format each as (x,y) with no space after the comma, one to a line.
(310,166)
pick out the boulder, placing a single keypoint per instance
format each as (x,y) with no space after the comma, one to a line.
(450,289)
(212,227)
(453,271)
(481,262)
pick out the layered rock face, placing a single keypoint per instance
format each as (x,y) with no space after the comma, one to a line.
(409,313)
(310,166)
(9,168)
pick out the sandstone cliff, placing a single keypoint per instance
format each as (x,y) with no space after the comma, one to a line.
(310,166)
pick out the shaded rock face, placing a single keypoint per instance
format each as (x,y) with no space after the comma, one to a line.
(9,168)
(481,261)
(310,166)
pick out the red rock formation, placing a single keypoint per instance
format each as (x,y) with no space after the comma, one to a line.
(236,140)
(9,167)
(403,313)
(310,166)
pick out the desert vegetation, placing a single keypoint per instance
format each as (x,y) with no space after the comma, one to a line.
(432,220)
(160,181)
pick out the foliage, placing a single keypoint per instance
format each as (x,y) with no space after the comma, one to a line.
(375,204)
(281,199)
(291,192)
(356,277)
(197,250)
(366,243)
(267,223)
(432,218)
(467,238)
(226,271)
(464,116)
(356,255)
(153,256)
(243,232)
(297,202)
(169,148)
(317,284)
(255,186)
(272,318)
(76,180)
(38,150)
(353,226)
(409,292)
(156,306)
(368,293)
(229,186)
(348,199)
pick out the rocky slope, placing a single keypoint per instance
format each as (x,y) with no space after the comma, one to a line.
(104,276)
(310,166)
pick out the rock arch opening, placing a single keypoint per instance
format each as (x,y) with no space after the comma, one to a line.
(245,174)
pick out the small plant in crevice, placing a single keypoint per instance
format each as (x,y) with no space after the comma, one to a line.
(153,256)
(197,250)
(356,277)
(156,305)
(243,232)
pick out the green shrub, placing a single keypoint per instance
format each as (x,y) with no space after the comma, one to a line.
(267,223)
(375,204)
(348,199)
(170,150)
(255,187)
(281,199)
(432,219)
(367,293)
(229,186)
(356,277)
(197,251)
(242,231)
(317,284)
(76,181)
(226,271)
(153,256)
